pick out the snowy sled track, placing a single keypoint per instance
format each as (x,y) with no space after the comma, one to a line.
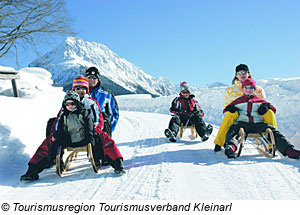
(160,170)
(143,177)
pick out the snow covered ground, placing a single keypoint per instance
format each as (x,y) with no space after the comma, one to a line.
(156,169)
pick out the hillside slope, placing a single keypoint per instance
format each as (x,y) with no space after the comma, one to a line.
(158,169)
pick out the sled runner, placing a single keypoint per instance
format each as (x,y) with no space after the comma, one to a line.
(62,166)
(191,127)
(265,142)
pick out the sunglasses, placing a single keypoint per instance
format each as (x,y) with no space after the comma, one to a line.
(70,104)
(185,92)
(242,72)
(249,87)
(80,88)
(92,77)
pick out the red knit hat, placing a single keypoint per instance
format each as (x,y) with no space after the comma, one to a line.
(184,87)
(249,82)
(81,82)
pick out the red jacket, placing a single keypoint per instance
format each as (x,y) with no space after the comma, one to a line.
(181,106)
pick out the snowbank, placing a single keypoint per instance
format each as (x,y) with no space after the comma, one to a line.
(23,120)
(32,82)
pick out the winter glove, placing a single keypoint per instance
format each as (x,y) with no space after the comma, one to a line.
(196,112)
(199,113)
(231,109)
(263,108)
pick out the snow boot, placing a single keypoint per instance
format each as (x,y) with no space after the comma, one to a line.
(118,165)
(204,138)
(104,162)
(208,132)
(217,148)
(229,151)
(292,153)
(170,135)
(97,164)
(209,129)
(31,174)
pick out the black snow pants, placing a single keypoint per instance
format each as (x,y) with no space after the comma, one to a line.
(199,123)
(281,142)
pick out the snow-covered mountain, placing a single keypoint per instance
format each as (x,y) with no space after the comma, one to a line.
(73,56)
(217,84)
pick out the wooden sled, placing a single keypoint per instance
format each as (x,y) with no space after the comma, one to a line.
(62,166)
(191,127)
(265,142)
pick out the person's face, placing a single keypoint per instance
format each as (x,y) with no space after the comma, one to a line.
(242,75)
(249,90)
(70,105)
(80,90)
(185,94)
(93,81)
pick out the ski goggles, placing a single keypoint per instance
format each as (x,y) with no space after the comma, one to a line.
(242,72)
(70,104)
(249,87)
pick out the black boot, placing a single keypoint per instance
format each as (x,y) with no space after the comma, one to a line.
(209,129)
(170,135)
(104,162)
(118,165)
(97,167)
(292,153)
(31,174)
(217,148)
(208,132)
(229,151)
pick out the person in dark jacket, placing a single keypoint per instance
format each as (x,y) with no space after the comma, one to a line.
(44,157)
(186,110)
(105,98)
(109,153)
(74,127)
(251,109)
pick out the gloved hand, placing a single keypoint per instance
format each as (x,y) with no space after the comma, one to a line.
(263,108)
(198,113)
(231,109)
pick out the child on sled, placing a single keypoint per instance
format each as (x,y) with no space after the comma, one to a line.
(250,109)
(186,109)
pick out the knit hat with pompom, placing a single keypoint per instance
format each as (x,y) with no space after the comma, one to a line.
(184,87)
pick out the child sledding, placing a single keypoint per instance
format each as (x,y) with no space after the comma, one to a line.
(78,124)
(250,109)
(185,112)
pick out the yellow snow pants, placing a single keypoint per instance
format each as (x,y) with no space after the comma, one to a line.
(230,118)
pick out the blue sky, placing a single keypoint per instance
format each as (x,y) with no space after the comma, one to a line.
(200,41)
